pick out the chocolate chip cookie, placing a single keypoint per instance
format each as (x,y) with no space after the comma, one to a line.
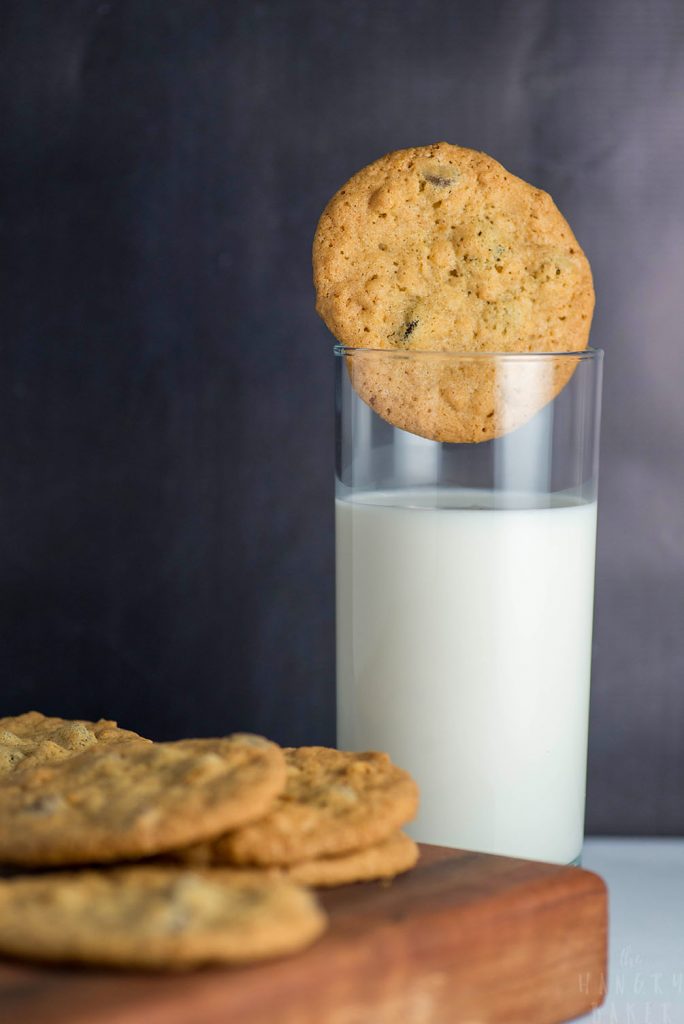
(334,801)
(32,739)
(383,860)
(136,799)
(163,918)
(439,249)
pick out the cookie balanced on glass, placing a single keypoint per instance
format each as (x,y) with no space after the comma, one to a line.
(468,410)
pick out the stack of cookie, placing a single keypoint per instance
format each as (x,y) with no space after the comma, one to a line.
(232,830)
(337,820)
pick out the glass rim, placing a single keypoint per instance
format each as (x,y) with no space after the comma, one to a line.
(589,353)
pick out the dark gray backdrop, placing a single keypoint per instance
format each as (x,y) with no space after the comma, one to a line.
(166,550)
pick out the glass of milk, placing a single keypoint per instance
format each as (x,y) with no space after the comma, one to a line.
(465,590)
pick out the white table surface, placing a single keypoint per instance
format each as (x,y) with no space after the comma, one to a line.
(645,879)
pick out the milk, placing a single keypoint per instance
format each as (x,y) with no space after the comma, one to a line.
(463,649)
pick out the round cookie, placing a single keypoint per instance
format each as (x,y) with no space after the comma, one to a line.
(439,249)
(333,801)
(384,860)
(32,739)
(136,799)
(155,917)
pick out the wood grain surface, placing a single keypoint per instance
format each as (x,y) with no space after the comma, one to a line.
(465,938)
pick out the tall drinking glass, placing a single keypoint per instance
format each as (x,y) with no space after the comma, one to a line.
(465,589)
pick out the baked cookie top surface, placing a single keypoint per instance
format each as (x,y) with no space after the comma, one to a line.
(155,917)
(440,248)
(333,801)
(33,739)
(136,799)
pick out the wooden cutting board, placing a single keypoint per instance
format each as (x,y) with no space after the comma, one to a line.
(465,938)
